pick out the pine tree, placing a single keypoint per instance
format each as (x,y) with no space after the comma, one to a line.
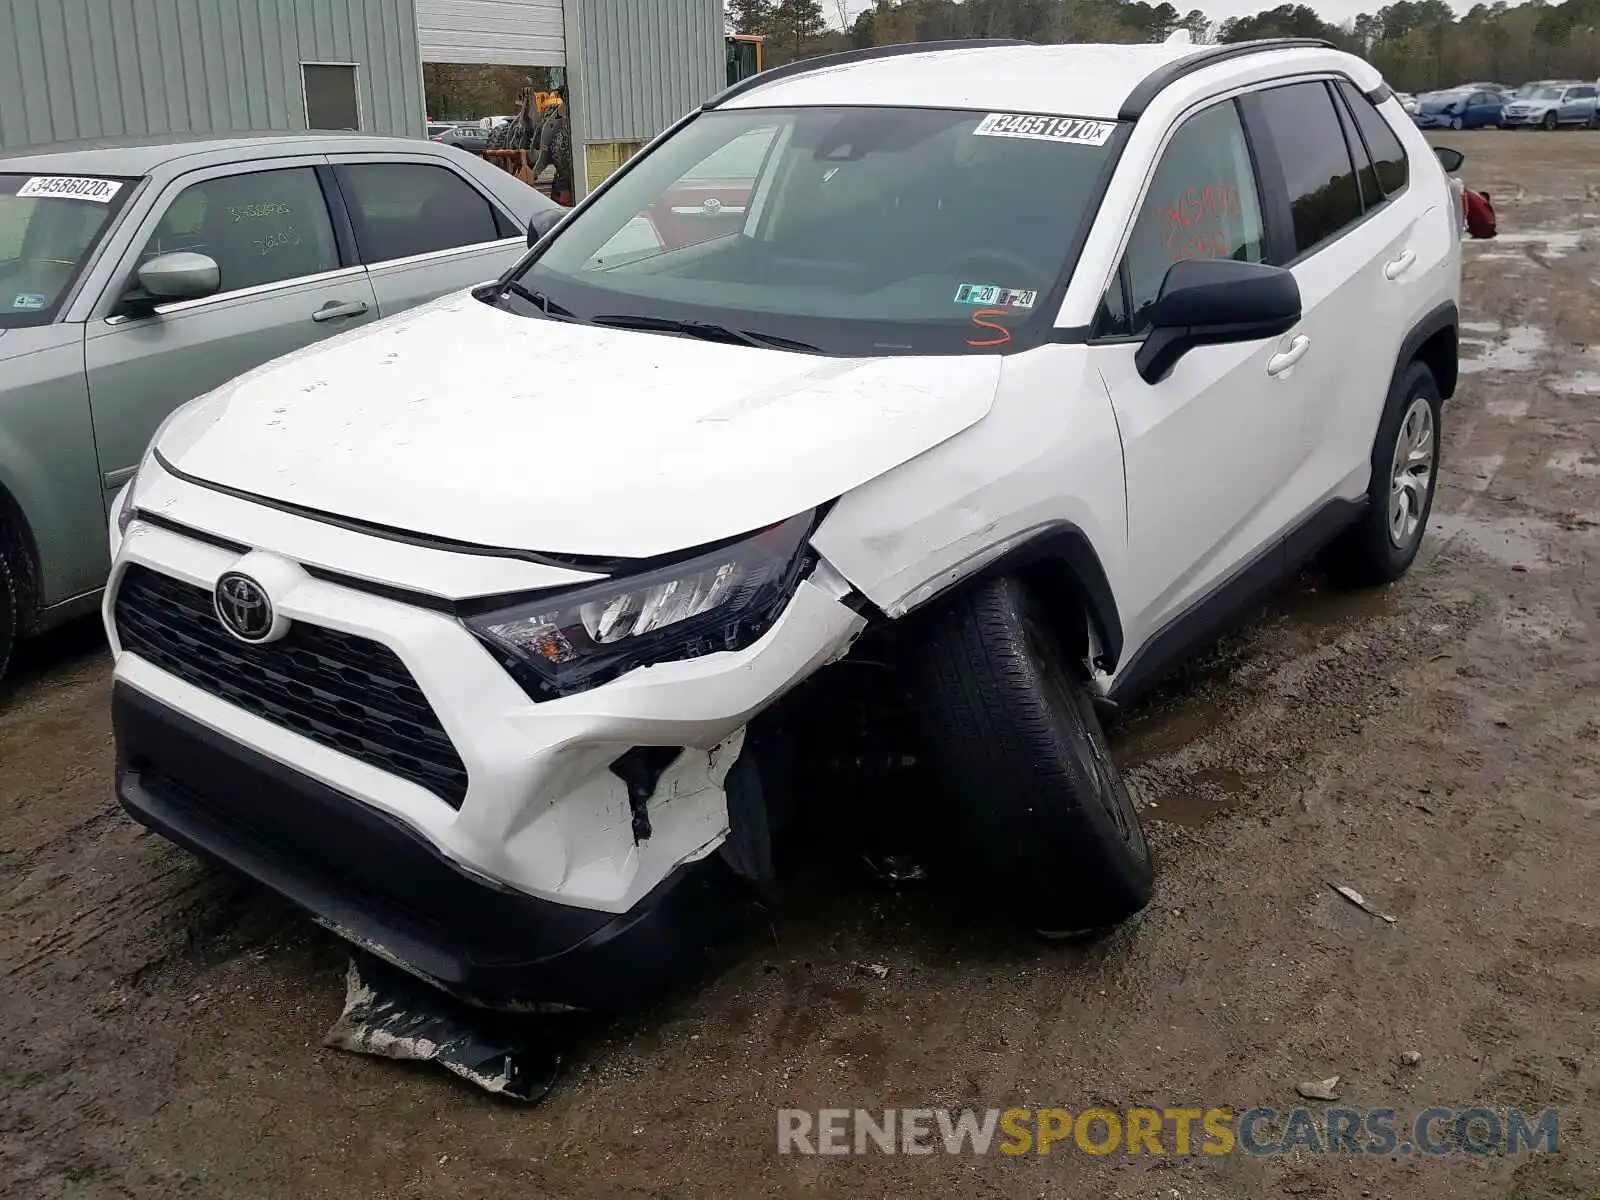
(798,22)
(750,16)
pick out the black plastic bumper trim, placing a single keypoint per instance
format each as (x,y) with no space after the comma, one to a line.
(377,882)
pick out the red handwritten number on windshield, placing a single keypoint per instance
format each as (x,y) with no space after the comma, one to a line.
(978,319)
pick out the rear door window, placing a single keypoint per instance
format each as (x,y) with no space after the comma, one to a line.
(1383,146)
(400,209)
(1324,198)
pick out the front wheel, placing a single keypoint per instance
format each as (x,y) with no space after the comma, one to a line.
(1456,123)
(1405,467)
(1042,820)
(1550,122)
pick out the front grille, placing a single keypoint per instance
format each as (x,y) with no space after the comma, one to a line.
(345,692)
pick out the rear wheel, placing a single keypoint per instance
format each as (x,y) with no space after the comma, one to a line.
(1043,821)
(1405,465)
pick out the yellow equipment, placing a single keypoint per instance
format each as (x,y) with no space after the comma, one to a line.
(746,56)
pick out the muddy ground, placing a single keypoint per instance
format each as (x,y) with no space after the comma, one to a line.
(1435,745)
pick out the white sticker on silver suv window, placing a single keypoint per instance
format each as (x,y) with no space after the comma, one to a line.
(1078,131)
(70,187)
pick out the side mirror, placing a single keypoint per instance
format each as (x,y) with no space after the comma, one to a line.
(179,276)
(1212,302)
(1450,159)
(543,224)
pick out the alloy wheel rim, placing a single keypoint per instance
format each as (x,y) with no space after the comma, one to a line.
(1411,475)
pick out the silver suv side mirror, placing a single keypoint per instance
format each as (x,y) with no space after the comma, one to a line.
(179,276)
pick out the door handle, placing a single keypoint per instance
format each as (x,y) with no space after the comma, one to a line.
(1397,267)
(333,310)
(1279,363)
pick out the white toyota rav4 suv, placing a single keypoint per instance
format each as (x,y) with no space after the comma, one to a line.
(1016,370)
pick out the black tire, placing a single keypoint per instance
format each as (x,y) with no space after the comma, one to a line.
(1369,552)
(1043,821)
(1550,122)
(10,602)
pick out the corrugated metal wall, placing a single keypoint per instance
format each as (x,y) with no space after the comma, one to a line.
(635,66)
(98,68)
(524,33)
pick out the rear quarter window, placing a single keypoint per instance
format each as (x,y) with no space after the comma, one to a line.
(1383,146)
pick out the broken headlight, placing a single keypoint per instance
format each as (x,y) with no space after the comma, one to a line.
(720,599)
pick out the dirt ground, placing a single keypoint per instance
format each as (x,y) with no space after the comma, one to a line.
(1435,745)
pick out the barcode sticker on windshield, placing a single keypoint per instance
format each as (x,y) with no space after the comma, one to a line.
(70,187)
(1076,130)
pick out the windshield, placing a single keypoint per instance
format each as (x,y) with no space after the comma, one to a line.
(849,230)
(1546,93)
(49,224)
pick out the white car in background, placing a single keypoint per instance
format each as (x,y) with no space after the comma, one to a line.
(1008,402)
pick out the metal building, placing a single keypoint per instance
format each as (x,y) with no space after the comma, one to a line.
(101,68)
(73,69)
(633,66)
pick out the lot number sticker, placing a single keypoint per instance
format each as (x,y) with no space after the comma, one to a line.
(1073,130)
(70,187)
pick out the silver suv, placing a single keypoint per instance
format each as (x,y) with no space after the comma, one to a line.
(139,274)
(1554,105)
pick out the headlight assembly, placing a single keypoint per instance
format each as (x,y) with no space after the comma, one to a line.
(722,599)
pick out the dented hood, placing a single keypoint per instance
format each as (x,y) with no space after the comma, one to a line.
(466,422)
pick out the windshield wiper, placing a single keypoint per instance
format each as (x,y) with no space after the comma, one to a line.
(540,301)
(708,331)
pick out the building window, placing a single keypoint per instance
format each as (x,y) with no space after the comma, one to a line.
(332,100)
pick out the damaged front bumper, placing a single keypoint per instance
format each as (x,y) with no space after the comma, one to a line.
(577,866)
(382,886)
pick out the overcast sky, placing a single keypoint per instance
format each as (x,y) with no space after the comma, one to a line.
(1336,11)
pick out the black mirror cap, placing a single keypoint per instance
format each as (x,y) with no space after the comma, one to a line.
(1449,159)
(543,224)
(1209,302)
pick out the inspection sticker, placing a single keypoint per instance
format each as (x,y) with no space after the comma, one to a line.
(70,187)
(29,300)
(1078,131)
(990,296)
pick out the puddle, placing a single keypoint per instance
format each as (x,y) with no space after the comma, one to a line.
(1513,541)
(1517,352)
(1480,327)
(1551,243)
(1206,793)
(1575,462)
(1510,409)
(1585,383)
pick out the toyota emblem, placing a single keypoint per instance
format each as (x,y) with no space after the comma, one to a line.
(243,607)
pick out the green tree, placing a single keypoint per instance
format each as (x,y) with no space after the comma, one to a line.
(796,22)
(750,16)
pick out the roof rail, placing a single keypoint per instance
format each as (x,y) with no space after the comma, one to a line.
(844,58)
(1152,84)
